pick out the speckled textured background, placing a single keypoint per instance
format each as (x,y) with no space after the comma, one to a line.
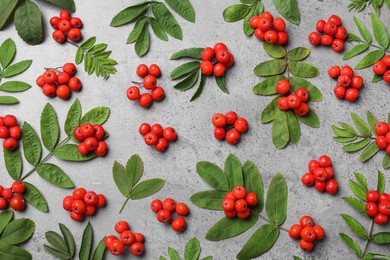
(192,122)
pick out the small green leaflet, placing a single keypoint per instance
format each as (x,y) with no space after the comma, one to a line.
(191,252)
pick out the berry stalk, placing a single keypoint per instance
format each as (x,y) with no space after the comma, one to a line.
(267,220)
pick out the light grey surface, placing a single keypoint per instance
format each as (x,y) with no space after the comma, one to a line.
(192,122)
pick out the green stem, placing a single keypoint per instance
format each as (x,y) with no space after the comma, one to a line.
(124,204)
(365,137)
(74,44)
(286,60)
(267,220)
(370,229)
(44,160)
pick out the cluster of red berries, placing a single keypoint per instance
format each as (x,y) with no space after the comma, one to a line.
(382,129)
(166,208)
(296,101)
(149,82)
(10,132)
(157,136)
(307,232)
(229,127)
(83,203)
(13,196)
(269,29)
(348,84)
(334,34)
(378,206)
(216,60)
(59,84)
(382,67)
(320,175)
(91,139)
(66,26)
(237,203)
(127,238)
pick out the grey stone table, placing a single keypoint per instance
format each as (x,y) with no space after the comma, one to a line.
(192,122)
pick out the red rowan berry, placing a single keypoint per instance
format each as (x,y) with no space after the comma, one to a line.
(320,175)
(302,110)
(59,36)
(282,38)
(271,36)
(279,24)
(156,205)
(17,203)
(229,214)
(239,192)
(151,139)
(302,94)
(154,70)
(241,205)
(169,204)
(307,246)
(158,94)
(233,136)
(179,224)
(381,219)
(63,91)
(10,120)
(109,239)
(64,14)
(308,234)
(325,161)
(244,215)
(381,128)
(74,35)
(90,210)
(101,149)
(228,205)
(219,120)
(121,226)
(10,144)
(78,206)
(254,21)
(241,125)
(313,165)
(223,57)
(251,199)
(341,33)
(320,232)
(219,69)
(320,186)
(170,134)
(116,247)
(149,82)
(335,19)
(3,203)
(69,68)
(137,249)
(315,38)
(326,40)
(145,100)
(207,68)
(331,186)
(139,237)
(231,117)
(162,145)
(157,129)
(267,15)
(127,237)
(7,193)
(379,67)
(265,24)
(64,25)
(283,87)
(334,71)
(357,82)
(219,47)
(351,94)
(133,93)
(182,209)
(259,34)
(330,28)
(207,54)
(76,22)
(344,80)
(308,179)
(381,142)
(90,198)
(18,187)
(4,132)
(54,22)
(293,101)
(339,92)
(320,25)
(338,45)
(295,231)
(283,103)
(142,70)
(144,128)
(164,216)
(78,194)
(372,196)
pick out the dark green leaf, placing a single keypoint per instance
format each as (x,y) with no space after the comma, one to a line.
(267,86)
(56,240)
(381,182)
(377,78)
(97,115)
(380,33)
(276,203)
(50,130)
(270,68)
(372,256)
(13,163)
(228,227)
(143,42)
(298,54)
(362,180)
(260,242)
(356,227)
(73,117)
(381,238)
(268,113)
(98,254)
(8,100)
(371,121)
(342,132)
(353,38)
(233,171)
(8,47)
(14,253)
(221,84)
(293,127)
(69,152)
(356,50)
(68,237)
(344,139)
(303,69)
(315,94)
(356,203)
(183,8)
(362,30)
(187,53)
(134,169)
(86,244)
(6,8)
(354,147)
(213,175)
(147,188)
(17,68)
(274,50)
(280,133)
(185,69)
(57,253)
(357,190)
(253,183)
(173,255)
(386,162)
(311,119)
(5,218)
(288,9)
(53,174)
(246,26)
(188,82)
(167,20)
(201,86)
(64,4)
(370,59)
(235,13)
(17,232)
(129,14)
(31,144)
(35,198)
(122,179)
(210,199)
(158,29)
(369,152)
(14,86)
(28,22)
(351,244)
(192,249)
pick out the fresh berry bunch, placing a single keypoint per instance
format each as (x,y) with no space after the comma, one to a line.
(382,67)
(91,139)
(59,83)
(295,101)
(10,132)
(13,196)
(382,129)
(66,26)
(348,84)
(166,208)
(149,82)
(83,203)
(237,203)
(157,136)
(378,206)
(320,175)
(307,232)
(229,127)
(126,238)
(269,29)
(333,35)
(216,60)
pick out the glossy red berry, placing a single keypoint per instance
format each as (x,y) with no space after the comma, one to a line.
(241,205)
(219,133)
(59,36)
(330,28)
(339,92)
(219,69)
(293,101)
(381,219)
(379,67)
(239,192)
(254,21)
(331,186)
(10,144)
(142,70)
(182,209)
(109,239)
(64,14)
(219,120)
(326,40)
(121,226)
(231,117)
(156,205)
(75,35)
(154,70)
(372,196)
(338,45)
(241,125)
(207,68)
(179,224)
(325,161)
(320,175)
(164,216)
(10,121)
(283,86)
(320,25)
(306,221)
(271,36)
(307,246)
(149,82)
(98,132)
(133,93)
(335,19)
(64,26)
(54,22)
(101,201)
(127,237)
(357,82)
(69,68)
(233,136)
(279,24)
(162,145)
(308,234)
(220,47)
(320,232)
(341,33)
(302,110)
(102,149)
(158,94)
(265,23)
(90,143)
(116,247)
(63,92)
(18,187)
(308,179)
(169,204)
(314,38)
(151,138)
(78,206)
(144,128)
(251,199)
(295,231)
(302,94)
(137,249)
(282,38)
(76,22)
(157,129)
(244,214)
(283,104)
(207,54)
(352,94)
(7,193)
(67,203)
(145,100)
(170,134)
(17,203)
(381,128)
(91,198)
(334,71)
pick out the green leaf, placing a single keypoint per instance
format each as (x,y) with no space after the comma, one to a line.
(64,4)
(88,43)
(274,50)
(362,30)
(158,29)
(377,78)
(73,118)
(31,144)
(86,244)
(246,26)
(209,199)
(207,258)
(381,182)
(187,53)
(192,249)
(188,82)
(134,169)
(213,175)
(280,133)
(13,163)
(351,244)
(268,86)
(57,253)
(311,119)
(5,218)
(372,256)
(293,127)
(369,152)
(14,253)
(129,14)
(50,130)
(201,86)
(68,237)
(356,203)
(356,50)
(35,198)
(53,174)
(143,42)
(173,255)
(268,113)
(233,171)
(56,240)
(69,152)
(303,69)
(276,203)
(254,183)
(315,94)
(288,9)
(381,238)
(28,22)
(147,188)
(270,68)
(14,86)
(167,20)
(356,227)
(229,227)
(380,32)
(298,54)
(370,59)
(362,180)
(235,12)
(97,115)
(371,121)
(349,128)
(122,179)
(344,139)
(342,132)
(17,68)
(185,69)
(98,254)
(260,242)
(354,147)
(354,38)
(183,8)
(8,47)
(221,84)
(17,232)
(357,190)
(8,100)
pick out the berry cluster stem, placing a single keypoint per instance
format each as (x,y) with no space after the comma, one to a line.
(270,222)
(137,83)
(286,59)
(370,229)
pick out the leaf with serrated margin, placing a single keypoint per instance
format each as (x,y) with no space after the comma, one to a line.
(185,69)
(362,180)
(268,113)
(276,202)
(201,86)
(8,47)
(68,237)
(17,68)
(356,227)
(183,8)
(356,50)
(274,50)
(167,20)
(221,84)
(357,190)
(235,12)
(354,147)
(270,68)
(288,9)
(362,126)
(209,199)
(53,174)
(50,130)
(280,133)
(362,30)
(31,144)
(192,249)
(254,183)
(356,203)
(303,69)
(293,127)
(298,54)
(187,53)
(381,182)
(188,82)
(370,59)
(129,14)
(351,244)
(35,198)
(28,22)
(86,243)
(13,163)
(369,152)
(158,29)
(143,42)
(73,117)
(380,32)
(213,175)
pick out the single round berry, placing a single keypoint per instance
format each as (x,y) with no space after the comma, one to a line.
(293,101)
(338,45)
(76,22)
(241,125)
(116,247)
(157,129)
(334,71)
(295,231)
(325,161)
(320,186)
(279,24)
(244,215)
(63,92)
(133,93)
(341,33)
(320,25)
(179,224)
(320,232)
(233,136)
(307,246)
(69,68)
(7,193)
(271,36)
(169,204)
(326,40)
(144,128)
(314,38)
(170,134)
(18,187)
(381,219)
(306,221)
(91,143)
(228,204)
(59,36)
(164,216)
(78,206)
(302,110)
(207,68)
(10,144)
(182,209)
(219,69)
(75,35)
(158,94)
(75,84)
(90,198)
(265,23)
(335,19)
(372,196)
(98,132)
(339,92)
(54,22)
(121,226)
(102,149)
(149,82)
(251,199)
(145,100)
(379,67)
(162,145)
(219,133)
(381,128)
(207,54)
(308,179)
(17,203)
(63,78)
(220,47)
(320,175)
(308,234)
(302,94)
(109,239)
(239,192)
(283,87)
(154,70)
(357,82)
(330,28)
(137,248)
(78,194)
(219,120)
(254,21)
(230,214)
(10,121)
(127,237)
(241,205)
(283,104)
(352,94)
(101,201)
(142,70)
(231,117)
(282,38)
(331,186)
(151,138)
(67,203)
